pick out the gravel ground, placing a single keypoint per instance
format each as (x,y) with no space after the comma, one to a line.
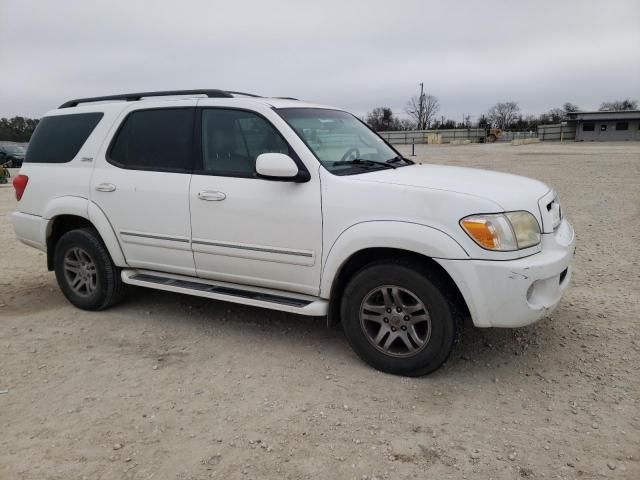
(175,387)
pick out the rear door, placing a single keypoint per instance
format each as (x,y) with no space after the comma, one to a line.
(141,182)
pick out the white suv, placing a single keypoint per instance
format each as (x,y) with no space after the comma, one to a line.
(287,205)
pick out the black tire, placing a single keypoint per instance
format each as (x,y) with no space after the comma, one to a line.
(107,289)
(443,329)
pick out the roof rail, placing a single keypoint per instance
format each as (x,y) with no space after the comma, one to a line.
(244,93)
(131,97)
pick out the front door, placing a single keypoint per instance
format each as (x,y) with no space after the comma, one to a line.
(245,229)
(141,182)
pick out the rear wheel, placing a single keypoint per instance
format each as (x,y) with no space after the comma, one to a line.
(397,319)
(85,272)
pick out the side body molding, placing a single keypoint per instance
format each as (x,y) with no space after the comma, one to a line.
(413,237)
(81,207)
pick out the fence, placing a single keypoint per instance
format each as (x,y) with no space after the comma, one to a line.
(556,132)
(447,136)
(420,136)
(544,133)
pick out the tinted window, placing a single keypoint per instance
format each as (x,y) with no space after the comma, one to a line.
(58,139)
(588,127)
(158,139)
(233,139)
(622,125)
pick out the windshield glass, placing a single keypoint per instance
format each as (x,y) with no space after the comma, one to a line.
(338,139)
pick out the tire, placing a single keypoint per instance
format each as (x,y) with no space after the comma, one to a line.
(85,272)
(364,300)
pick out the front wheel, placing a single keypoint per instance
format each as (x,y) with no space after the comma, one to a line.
(397,319)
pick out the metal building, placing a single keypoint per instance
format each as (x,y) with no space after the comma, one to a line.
(608,125)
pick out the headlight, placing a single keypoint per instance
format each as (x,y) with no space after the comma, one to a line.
(503,231)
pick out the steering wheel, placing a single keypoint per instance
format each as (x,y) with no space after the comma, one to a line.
(351,151)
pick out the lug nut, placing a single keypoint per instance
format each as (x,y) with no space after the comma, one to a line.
(393,329)
(386,320)
(388,310)
(406,318)
(403,327)
(398,309)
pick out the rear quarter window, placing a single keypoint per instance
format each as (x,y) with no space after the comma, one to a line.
(58,139)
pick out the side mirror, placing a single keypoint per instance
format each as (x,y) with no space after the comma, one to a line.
(278,166)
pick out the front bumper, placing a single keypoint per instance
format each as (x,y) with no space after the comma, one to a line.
(515,293)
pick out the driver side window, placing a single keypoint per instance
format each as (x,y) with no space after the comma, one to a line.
(233,139)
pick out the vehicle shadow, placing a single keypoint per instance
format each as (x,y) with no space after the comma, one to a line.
(479,350)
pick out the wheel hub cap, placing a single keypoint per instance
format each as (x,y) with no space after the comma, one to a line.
(395,321)
(80,271)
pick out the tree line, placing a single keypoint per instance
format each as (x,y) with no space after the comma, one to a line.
(17,129)
(422,114)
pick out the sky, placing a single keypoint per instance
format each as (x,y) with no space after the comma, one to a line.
(353,54)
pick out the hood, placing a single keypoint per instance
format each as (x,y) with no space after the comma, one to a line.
(510,192)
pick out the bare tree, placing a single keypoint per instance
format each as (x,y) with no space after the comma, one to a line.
(626,104)
(569,107)
(423,109)
(382,119)
(502,115)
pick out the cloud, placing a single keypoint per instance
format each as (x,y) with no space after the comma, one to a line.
(357,54)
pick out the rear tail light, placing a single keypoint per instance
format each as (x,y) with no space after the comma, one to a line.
(20,184)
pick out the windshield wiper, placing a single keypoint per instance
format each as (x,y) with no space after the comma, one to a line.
(361,162)
(398,158)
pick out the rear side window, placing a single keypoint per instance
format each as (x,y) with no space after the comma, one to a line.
(58,139)
(158,139)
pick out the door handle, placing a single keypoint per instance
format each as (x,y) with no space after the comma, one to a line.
(210,196)
(105,187)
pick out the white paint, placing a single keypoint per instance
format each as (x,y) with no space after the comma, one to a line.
(293,238)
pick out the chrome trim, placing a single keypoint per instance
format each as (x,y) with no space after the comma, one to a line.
(254,249)
(155,237)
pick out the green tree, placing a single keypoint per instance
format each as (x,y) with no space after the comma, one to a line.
(17,129)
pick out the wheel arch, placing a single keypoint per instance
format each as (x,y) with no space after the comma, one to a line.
(79,213)
(370,241)
(370,255)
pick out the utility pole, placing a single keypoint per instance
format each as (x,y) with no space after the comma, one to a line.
(421,122)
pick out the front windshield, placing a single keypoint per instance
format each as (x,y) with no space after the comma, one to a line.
(338,139)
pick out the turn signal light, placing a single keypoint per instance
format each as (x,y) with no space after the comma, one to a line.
(481,231)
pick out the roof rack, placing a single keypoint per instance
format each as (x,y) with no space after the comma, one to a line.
(244,93)
(131,97)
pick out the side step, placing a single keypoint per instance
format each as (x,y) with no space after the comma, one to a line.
(257,297)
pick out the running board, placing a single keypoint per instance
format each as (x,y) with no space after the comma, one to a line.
(257,297)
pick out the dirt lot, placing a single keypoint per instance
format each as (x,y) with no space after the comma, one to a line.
(168,386)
